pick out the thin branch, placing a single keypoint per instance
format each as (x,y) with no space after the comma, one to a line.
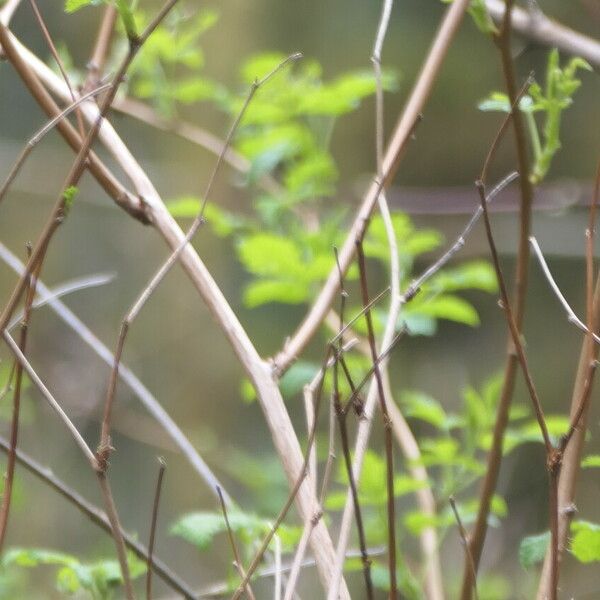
(14,429)
(387,428)
(571,316)
(194,134)
(96,63)
(149,402)
(7,12)
(239,565)
(98,518)
(39,135)
(463,538)
(104,447)
(417,283)
(572,443)
(289,501)
(161,471)
(478,534)
(393,156)
(57,60)
(548,32)
(39,384)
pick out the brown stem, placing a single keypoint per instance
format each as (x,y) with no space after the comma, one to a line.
(572,443)
(98,518)
(161,472)
(477,537)
(58,61)
(387,428)
(14,427)
(239,565)
(96,63)
(393,156)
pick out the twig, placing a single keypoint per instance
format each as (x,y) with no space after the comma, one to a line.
(57,60)
(393,156)
(463,538)
(387,428)
(194,134)
(104,446)
(417,283)
(239,565)
(572,443)
(129,378)
(32,71)
(14,428)
(258,370)
(39,384)
(95,65)
(161,471)
(98,517)
(39,135)
(553,456)
(8,11)
(571,316)
(291,496)
(101,475)
(478,533)
(548,32)
(341,418)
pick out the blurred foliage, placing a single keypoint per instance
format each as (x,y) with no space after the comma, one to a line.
(550,101)
(99,580)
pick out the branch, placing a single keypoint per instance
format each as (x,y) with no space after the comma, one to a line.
(98,518)
(149,402)
(258,370)
(393,156)
(545,31)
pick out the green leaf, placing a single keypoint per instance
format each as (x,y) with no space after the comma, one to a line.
(449,307)
(419,405)
(532,549)
(33,557)
(474,275)
(585,543)
(73,5)
(283,291)
(267,254)
(200,528)
(592,460)
(296,377)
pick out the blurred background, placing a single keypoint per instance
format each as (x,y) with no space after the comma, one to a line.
(181,355)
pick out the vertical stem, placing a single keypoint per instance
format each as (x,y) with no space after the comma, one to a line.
(494,459)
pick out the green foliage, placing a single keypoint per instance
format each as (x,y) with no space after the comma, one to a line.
(74,5)
(201,528)
(585,541)
(168,72)
(373,490)
(592,460)
(480,16)
(532,549)
(69,197)
(550,101)
(99,579)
